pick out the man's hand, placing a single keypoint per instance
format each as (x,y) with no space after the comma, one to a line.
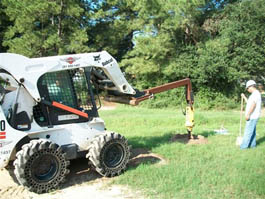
(251,109)
(244,97)
(247,117)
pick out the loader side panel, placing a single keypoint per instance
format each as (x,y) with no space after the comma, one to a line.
(9,137)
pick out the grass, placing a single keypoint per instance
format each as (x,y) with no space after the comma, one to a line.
(218,169)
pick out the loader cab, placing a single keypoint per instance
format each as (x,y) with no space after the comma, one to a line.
(12,96)
(72,88)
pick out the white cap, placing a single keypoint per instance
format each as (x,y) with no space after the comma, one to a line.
(250,83)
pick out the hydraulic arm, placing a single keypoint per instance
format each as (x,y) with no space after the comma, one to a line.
(149,93)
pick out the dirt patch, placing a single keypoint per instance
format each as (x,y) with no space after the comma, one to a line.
(108,105)
(141,155)
(82,182)
(184,138)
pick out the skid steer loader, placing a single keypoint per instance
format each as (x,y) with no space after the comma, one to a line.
(49,115)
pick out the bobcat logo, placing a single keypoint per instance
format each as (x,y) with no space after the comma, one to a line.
(97,58)
(70,60)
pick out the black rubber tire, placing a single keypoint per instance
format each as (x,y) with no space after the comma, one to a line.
(40,166)
(109,154)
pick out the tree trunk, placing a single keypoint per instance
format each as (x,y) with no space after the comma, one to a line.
(60,28)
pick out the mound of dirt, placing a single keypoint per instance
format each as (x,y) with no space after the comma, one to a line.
(184,138)
(141,155)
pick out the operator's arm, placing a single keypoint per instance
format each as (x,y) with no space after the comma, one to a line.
(252,108)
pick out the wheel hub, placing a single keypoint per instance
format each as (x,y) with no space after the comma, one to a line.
(113,156)
(44,168)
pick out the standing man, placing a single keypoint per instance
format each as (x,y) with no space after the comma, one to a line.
(252,115)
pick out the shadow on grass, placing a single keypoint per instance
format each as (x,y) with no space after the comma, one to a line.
(208,133)
(142,145)
(156,141)
(149,142)
(260,140)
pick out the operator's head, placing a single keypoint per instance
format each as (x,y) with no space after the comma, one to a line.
(251,86)
(57,83)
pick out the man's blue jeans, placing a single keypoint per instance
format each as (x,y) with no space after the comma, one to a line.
(249,139)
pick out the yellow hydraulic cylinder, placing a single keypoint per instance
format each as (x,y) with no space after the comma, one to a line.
(189,118)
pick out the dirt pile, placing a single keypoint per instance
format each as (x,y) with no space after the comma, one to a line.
(184,138)
(141,155)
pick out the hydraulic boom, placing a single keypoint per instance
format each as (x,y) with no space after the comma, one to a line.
(149,93)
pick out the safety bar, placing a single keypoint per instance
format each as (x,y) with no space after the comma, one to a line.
(65,108)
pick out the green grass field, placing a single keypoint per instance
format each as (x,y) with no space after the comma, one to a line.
(218,169)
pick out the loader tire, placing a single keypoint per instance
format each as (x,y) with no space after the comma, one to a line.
(40,166)
(109,154)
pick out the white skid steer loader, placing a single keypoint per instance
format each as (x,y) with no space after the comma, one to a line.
(49,115)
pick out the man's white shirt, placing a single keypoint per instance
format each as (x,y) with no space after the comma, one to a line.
(255,97)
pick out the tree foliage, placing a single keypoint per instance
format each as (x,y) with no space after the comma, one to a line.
(43,28)
(217,47)
(4,24)
(242,28)
(219,44)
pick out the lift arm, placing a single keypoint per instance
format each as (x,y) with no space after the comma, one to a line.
(149,93)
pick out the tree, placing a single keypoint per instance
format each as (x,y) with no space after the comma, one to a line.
(53,27)
(4,23)
(43,28)
(217,46)
(242,28)
(170,30)
(109,26)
